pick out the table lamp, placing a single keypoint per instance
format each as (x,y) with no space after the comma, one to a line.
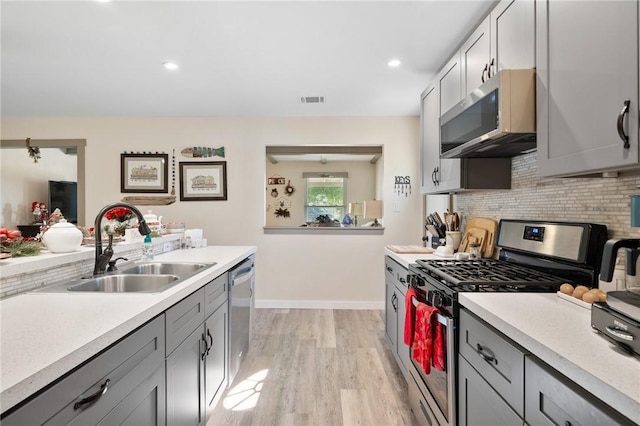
(355,209)
(373,209)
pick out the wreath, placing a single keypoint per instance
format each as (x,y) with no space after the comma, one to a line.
(289,189)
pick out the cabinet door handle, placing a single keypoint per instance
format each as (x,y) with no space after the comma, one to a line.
(206,347)
(437,171)
(486,354)
(484,71)
(491,65)
(620,123)
(394,298)
(211,339)
(433,176)
(93,398)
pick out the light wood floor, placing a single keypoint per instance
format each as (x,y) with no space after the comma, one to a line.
(316,367)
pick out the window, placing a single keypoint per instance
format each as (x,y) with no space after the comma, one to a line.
(325,195)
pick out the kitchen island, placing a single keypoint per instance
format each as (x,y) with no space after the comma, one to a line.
(46,335)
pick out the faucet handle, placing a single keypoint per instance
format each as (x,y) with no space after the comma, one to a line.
(112,264)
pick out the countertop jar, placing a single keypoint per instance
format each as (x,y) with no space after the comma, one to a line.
(474,251)
(63,237)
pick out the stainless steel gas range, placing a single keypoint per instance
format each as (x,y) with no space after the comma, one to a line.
(535,256)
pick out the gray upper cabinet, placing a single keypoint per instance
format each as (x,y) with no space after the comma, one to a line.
(476,57)
(504,40)
(430,145)
(584,80)
(513,35)
(505,37)
(439,175)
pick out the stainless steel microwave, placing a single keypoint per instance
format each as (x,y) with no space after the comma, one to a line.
(498,119)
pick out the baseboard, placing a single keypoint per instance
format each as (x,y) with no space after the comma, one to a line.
(317,304)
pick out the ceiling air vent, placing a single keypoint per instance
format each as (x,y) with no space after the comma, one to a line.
(312,99)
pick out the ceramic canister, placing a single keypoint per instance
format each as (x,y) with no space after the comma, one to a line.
(63,237)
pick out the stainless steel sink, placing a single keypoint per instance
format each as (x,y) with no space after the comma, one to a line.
(125,283)
(153,277)
(159,268)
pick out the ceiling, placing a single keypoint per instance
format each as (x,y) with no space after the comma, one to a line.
(235,58)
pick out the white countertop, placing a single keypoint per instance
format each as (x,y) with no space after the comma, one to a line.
(44,335)
(559,333)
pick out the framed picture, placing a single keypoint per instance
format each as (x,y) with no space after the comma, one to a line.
(203,181)
(144,172)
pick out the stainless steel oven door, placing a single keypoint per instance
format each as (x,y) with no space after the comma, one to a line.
(438,387)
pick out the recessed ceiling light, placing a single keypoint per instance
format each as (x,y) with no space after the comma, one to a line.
(394,63)
(170,65)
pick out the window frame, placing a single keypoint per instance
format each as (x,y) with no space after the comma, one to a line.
(334,175)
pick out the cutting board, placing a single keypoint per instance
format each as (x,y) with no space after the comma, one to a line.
(482,231)
(410,249)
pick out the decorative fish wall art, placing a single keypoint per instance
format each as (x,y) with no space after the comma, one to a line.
(202,152)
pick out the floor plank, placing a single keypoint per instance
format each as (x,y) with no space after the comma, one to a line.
(316,367)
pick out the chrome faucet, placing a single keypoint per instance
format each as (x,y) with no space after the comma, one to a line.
(103,257)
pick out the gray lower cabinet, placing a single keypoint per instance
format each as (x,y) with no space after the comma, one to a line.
(479,403)
(395,291)
(216,329)
(124,385)
(185,382)
(196,365)
(499,383)
(551,399)
(497,360)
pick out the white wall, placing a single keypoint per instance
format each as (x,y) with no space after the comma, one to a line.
(292,270)
(23,181)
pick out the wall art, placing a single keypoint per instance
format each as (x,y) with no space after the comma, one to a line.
(144,172)
(203,181)
(202,152)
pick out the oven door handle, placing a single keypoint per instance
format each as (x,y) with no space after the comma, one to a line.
(442,319)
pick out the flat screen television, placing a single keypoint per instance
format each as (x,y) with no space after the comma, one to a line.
(64,196)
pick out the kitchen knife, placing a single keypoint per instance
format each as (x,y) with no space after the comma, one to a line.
(433,231)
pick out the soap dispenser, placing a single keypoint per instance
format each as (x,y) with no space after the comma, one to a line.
(147,249)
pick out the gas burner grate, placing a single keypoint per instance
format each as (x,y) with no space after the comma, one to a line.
(485,274)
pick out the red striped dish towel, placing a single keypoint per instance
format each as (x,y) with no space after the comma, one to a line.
(423,336)
(410,314)
(439,346)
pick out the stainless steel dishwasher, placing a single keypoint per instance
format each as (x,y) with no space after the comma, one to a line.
(241,283)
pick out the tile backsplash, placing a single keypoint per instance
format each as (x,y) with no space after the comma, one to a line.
(594,200)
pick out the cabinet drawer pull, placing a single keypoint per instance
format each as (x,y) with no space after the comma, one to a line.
(206,347)
(620,333)
(486,354)
(620,124)
(211,339)
(390,269)
(93,398)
